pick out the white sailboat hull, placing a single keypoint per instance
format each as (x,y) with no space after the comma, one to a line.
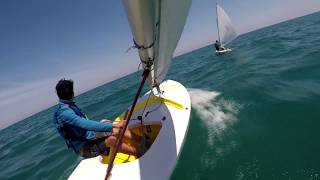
(223,51)
(172,111)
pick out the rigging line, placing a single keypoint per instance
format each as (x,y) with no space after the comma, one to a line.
(143,135)
(123,130)
(141,115)
(156,108)
(136,45)
(139,66)
(148,112)
(146,105)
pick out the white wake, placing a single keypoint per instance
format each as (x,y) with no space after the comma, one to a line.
(217,114)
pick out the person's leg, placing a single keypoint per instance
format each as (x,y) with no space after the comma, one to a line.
(132,143)
(124,148)
(132,138)
(94,148)
(129,137)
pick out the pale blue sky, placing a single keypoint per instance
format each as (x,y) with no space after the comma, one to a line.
(44,40)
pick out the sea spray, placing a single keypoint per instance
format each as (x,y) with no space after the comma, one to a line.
(216,114)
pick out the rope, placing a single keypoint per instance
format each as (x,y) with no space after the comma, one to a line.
(160,104)
(136,45)
(142,148)
(146,105)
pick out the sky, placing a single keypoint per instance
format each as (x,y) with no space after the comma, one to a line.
(42,41)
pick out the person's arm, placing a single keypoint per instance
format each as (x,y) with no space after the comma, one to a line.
(69,117)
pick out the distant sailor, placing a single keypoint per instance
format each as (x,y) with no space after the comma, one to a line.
(218,46)
(86,137)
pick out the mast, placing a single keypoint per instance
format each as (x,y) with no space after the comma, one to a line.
(218,22)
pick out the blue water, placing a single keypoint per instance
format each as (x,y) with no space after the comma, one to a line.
(255,112)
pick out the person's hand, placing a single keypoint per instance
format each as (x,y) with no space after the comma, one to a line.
(106,121)
(117,126)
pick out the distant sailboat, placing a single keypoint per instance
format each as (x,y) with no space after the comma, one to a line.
(226,32)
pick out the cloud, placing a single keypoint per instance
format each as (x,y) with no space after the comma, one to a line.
(30,98)
(25,101)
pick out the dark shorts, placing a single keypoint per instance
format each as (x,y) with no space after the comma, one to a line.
(95,148)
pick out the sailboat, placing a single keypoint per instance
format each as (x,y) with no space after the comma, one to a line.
(226,32)
(163,113)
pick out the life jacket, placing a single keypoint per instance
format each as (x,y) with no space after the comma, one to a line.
(70,132)
(217,45)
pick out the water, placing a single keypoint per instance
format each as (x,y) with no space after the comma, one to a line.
(255,112)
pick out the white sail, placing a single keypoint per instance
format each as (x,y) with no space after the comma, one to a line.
(156,27)
(226,32)
(174,14)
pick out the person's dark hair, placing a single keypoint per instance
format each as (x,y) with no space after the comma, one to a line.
(64,89)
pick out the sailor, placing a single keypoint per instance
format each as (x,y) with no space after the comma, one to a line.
(218,46)
(86,137)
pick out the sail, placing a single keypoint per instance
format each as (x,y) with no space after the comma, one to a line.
(156,26)
(226,32)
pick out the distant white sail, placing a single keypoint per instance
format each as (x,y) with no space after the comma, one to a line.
(226,32)
(156,28)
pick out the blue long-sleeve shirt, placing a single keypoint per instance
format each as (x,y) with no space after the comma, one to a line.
(65,115)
